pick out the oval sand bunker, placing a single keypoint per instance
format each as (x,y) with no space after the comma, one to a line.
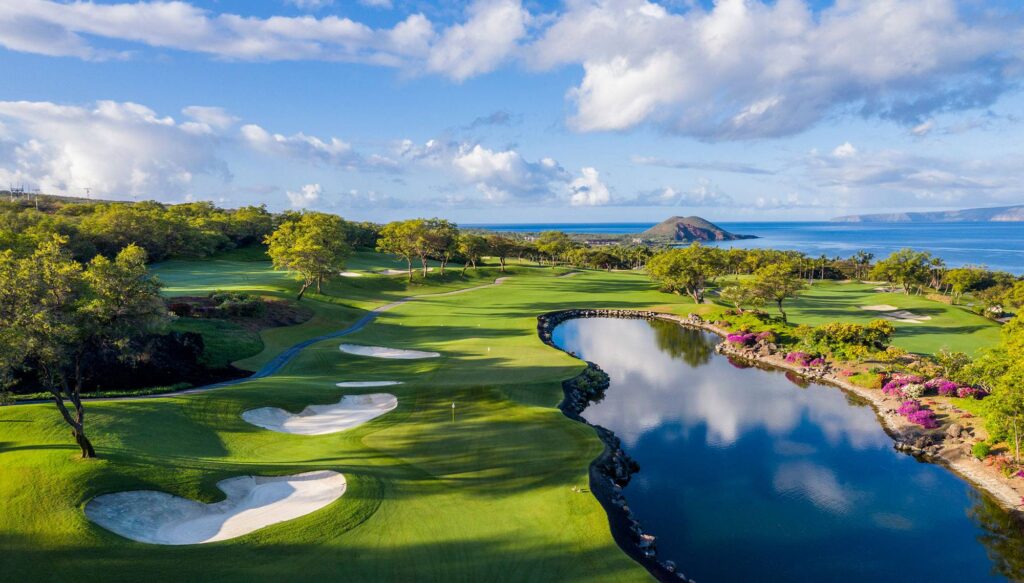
(384,352)
(252,502)
(351,411)
(360,384)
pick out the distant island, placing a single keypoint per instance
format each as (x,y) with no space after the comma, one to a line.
(690,229)
(1001,214)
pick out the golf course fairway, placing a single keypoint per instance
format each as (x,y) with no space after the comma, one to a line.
(478,492)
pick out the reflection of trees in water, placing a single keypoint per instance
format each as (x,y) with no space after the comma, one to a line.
(692,346)
(1003,537)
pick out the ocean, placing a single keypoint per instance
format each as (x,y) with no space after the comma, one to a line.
(998,246)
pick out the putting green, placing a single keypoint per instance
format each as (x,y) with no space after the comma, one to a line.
(486,496)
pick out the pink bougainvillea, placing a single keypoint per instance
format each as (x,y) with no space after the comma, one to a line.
(918,414)
(743,339)
(801,358)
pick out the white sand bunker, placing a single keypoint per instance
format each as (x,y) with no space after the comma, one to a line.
(402,271)
(897,315)
(384,352)
(252,502)
(361,384)
(351,274)
(351,411)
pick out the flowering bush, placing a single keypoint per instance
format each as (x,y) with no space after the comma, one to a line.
(913,390)
(767,336)
(925,418)
(817,362)
(746,339)
(897,382)
(847,373)
(801,358)
(943,387)
(918,414)
(970,392)
(908,407)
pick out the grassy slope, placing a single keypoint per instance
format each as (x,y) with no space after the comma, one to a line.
(486,497)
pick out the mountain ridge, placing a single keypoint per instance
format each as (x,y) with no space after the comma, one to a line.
(1000,214)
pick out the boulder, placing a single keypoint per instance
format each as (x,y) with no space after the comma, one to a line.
(954,430)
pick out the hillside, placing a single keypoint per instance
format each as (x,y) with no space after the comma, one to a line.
(690,229)
(1002,214)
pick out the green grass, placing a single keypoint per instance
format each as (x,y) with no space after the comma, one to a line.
(487,497)
(950,327)
(224,342)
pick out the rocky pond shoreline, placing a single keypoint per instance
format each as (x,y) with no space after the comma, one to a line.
(948,445)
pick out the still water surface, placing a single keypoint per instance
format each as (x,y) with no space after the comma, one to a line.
(749,476)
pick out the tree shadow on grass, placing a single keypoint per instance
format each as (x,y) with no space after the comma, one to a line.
(7,447)
(332,557)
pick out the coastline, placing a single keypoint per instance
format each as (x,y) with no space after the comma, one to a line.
(938,446)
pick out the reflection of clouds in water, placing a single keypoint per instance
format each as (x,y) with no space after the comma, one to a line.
(726,400)
(793,448)
(892,521)
(817,484)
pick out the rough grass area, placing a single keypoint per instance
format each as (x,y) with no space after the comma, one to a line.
(224,341)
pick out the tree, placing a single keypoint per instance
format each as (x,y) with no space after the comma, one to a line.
(1006,405)
(554,244)
(776,283)
(962,280)
(403,239)
(689,269)
(862,262)
(501,247)
(55,311)
(440,240)
(1014,297)
(740,295)
(312,245)
(906,267)
(472,248)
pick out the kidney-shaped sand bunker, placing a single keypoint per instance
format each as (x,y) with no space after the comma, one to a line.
(252,503)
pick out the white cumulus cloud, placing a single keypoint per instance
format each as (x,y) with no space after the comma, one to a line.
(112,148)
(306,196)
(588,190)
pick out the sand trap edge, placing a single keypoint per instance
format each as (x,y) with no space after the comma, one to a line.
(385,352)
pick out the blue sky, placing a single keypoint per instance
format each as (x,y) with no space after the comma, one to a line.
(506,111)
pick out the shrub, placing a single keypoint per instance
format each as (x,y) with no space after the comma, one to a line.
(801,358)
(925,418)
(913,390)
(893,354)
(6,398)
(746,339)
(981,450)
(970,393)
(180,309)
(942,387)
(908,407)
(238,304)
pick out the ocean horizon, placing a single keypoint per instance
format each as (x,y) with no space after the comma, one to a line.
(997,246)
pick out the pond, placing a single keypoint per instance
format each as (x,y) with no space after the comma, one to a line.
(750,475)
